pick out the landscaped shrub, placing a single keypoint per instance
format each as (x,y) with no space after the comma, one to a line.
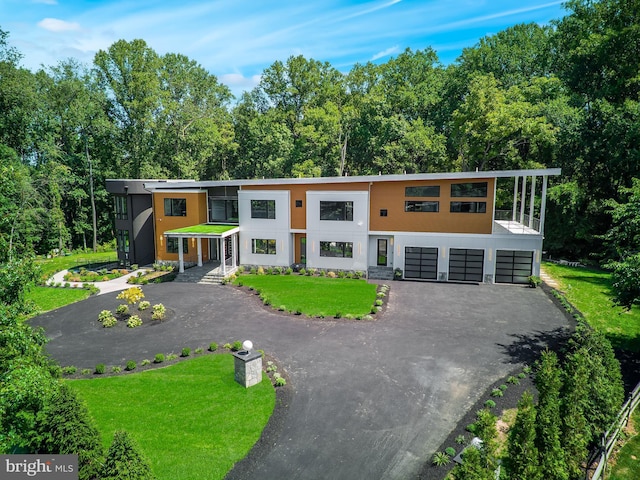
(122,309)
(116,369)
(131,295)
(490,404)
(513,380)
(280,382)
(440,459)
(171,356)
(198,350)
(378,303)
(185,352)
(134,267)
(288,271)
(213,346)
(145,362)
(143,305)
(134,321)
(450,451)
(104,314)
(367,317)
(159,358)
(338,315)
(131,365)
(158,312)
(236,346)
(109,322)
(100,368)
(322,273)
(331,274)
(282,308)
(503,387)
(341,274)
(70,370)
(125,460)
(381,294)
(260,271)
(461,440)
(64,426)
(311,271)
(303,271)
(227,346)
(496,392)
(86,371)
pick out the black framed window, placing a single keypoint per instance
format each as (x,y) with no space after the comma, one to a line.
(383,212)
(336,249)
(263,246)
(298,203)
(468,207)
(340,211)
(478,189)
(421,206)
(121,207)
(422,191)
(122,240)
(172,245)
(223,210)
(175,207)
(263,209)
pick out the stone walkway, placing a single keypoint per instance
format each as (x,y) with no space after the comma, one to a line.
(549,280)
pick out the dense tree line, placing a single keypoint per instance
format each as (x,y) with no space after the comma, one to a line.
(565,95)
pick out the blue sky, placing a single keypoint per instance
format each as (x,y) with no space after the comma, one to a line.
(237,39)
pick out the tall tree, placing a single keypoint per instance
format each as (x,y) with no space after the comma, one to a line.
(522,454)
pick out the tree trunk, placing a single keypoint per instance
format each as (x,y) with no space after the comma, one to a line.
(93,199)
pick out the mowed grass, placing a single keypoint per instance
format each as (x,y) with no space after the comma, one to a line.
(191,419)
(627,466)
(590,291)
(49,266)
(314,296)
(48,298)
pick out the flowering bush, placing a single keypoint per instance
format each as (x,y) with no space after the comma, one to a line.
(143,305)
(103,315)
(122,309)
(158,312)
(131,295)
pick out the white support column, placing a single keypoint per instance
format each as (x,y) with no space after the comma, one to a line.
(223,257)
(199,242)
(523,199)
(515,198)
(543,203)
(532,197)
(180,256)
(234,249)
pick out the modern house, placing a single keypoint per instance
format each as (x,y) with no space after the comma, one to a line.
(432,226)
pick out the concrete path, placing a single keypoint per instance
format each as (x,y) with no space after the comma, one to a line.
(371,399)
(109,286)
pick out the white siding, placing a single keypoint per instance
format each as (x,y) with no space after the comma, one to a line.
(264,228)
(354,231)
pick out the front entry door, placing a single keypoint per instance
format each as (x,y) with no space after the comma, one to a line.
(382,252)
(303,250)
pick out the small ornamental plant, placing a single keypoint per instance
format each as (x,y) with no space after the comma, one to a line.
(131,295)
(134,321)
(122,309)
(158,312)
(143,305)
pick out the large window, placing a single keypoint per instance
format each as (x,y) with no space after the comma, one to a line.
(417,206)
(223,210)
(263,209)
(121,207)
(172,245)
(122,240)
(422,191)
(469,189)
(468,207)
(336,249)
(342,211)
(175,207)
(263,246)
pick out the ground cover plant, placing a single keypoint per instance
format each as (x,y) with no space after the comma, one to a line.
(313,296)
(589,290)
(202,420)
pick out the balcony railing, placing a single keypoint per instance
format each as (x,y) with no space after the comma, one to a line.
(504,219)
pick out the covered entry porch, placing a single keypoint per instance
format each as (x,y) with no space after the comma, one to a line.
(222,241)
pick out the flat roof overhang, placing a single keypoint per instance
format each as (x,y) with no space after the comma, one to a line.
(203,230)
(356,179)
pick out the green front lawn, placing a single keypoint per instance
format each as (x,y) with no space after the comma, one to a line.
(314,296)
(590,291)
(627,465)
(191,419)
(50,266)
(48,298)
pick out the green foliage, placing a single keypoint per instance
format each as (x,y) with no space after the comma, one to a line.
(450,451)
(122,310)
(522,454)
(496,392)
(145,362)
(213,346)
(143,305)
(280,381)
(236,346)
(134,321)
(626,287)
(159,358)
(159,312)
(461,440)
(185,352)
(65,427)
(100,369)
(489,404)
(109,321)
(131,365)
(440,459)
(473,466)
(125,460)
(513,380)
(70,370)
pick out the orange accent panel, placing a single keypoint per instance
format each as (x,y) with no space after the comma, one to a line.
(196,214)
(391,196)
(299,192)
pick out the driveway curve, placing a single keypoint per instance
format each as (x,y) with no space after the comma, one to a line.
(370,399)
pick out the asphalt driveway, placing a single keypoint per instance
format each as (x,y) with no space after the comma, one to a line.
(370,399)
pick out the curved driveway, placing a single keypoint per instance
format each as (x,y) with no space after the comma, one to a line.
(371,399)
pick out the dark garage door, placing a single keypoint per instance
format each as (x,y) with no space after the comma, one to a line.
(513,266)
(421,262)
(466,265)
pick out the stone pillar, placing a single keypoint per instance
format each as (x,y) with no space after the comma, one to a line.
(248,367)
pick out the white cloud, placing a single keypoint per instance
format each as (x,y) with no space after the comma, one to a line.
(386,53)
(56,25)
(46,2)
(238,83)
